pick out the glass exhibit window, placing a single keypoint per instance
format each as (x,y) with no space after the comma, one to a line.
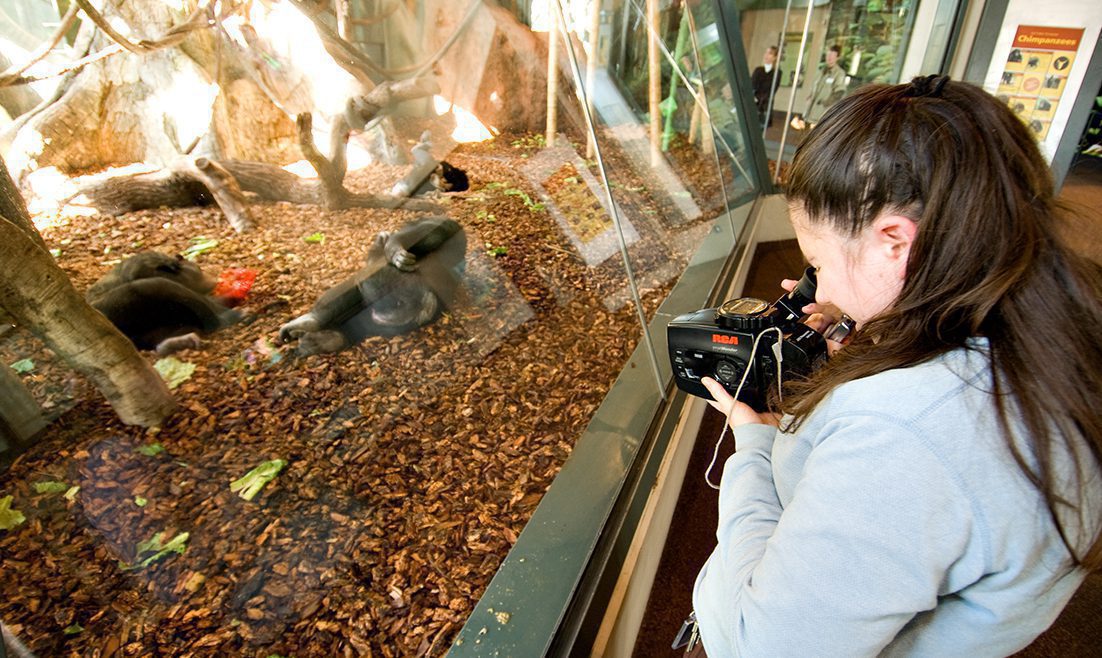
(870,40)
(306,303)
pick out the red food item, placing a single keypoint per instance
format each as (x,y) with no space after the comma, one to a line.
(234,284)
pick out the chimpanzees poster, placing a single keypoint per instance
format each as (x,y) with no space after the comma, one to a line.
(1036,73)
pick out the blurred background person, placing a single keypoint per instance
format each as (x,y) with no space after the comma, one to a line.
(829,88)
(764,81)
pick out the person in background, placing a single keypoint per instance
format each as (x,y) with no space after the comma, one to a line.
(829,88)
(934,488)
(764,81)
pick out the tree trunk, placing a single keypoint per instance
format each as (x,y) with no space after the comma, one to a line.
(41,299)
(20,417)
(13,208)
(38,295)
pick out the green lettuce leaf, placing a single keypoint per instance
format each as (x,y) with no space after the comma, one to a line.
(252,482)
(9,518)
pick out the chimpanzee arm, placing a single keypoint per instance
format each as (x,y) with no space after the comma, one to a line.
(418,238)
(344,300)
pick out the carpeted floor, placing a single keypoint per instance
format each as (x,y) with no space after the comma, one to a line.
(1078,631)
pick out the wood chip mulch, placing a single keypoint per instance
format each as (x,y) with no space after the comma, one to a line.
(413,462)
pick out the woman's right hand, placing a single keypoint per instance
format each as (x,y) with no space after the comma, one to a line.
(820,316)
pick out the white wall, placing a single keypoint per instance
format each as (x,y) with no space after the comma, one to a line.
(1086,14)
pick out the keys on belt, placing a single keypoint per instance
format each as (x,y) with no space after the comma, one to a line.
(689,634)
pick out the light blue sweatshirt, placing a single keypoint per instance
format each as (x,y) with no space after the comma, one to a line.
(894,521)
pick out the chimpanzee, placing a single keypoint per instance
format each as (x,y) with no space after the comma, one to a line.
(160,302)
(449,178)
(409,277)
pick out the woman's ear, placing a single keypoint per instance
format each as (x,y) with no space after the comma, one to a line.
(893,236)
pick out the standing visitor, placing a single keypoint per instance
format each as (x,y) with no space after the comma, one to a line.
(764,80)
(829,88)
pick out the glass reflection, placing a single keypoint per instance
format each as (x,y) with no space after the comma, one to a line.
(412,455)
(846,44)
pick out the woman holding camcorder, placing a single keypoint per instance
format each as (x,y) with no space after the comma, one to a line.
(935,488)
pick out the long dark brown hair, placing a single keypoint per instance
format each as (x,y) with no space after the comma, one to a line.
(987,260)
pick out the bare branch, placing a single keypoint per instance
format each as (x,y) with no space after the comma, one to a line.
(226,192)
(113,49)
(171,37)
(334,192)
(344,53)
(66,22)
(102,24)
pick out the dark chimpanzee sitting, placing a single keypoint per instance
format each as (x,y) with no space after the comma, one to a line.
(410,276)
(449,178)
(160,302)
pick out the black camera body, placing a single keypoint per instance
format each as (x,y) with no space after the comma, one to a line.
(719,343)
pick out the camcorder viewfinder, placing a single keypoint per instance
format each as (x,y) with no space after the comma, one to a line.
(720,343)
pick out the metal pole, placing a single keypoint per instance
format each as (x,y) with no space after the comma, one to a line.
(777,67)
(792,96)
(591,126)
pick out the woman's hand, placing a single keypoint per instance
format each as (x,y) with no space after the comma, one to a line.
(820,316)
(737,413)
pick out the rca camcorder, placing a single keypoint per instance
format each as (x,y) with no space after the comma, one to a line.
(747,344)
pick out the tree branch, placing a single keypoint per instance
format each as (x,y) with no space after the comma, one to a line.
(331,180)
(170,38)
(226,192)
(66,22)
(344,53)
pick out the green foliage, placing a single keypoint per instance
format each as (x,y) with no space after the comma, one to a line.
(23,366)
(174,371)
(199,245)
(9,518)
(496,252)
(252,482)
(533,141)
(315,238)
(50,487)
(532,206)
(157,549)
(151,450)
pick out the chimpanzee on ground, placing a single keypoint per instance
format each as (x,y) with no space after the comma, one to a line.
(160,302)
(449,178)
(410,276)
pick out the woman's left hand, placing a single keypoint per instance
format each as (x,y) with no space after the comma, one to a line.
(738,413)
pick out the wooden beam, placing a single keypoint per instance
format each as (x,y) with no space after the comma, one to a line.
(655,96)
(552,84)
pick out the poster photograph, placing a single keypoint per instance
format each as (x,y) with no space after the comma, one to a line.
(1036,73)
